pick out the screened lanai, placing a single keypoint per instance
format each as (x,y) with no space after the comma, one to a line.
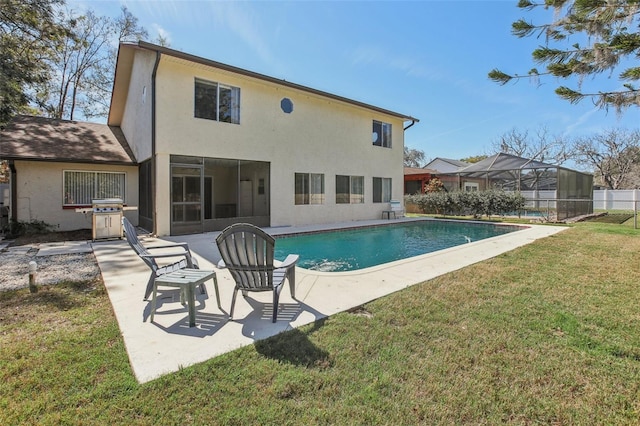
(560,192)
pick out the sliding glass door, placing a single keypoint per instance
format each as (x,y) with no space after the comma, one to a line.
(186,199)
(208,194)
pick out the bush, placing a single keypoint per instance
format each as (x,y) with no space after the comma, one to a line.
(17,228)
(476,203)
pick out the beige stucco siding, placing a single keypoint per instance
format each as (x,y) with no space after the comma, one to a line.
(136,121)
(163,194)
(321,135)
(40,189)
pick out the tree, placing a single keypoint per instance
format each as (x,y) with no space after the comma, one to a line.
(4,172)
(614,155)
(100,81)
(473,159)
(434,185)
(610,30)
(540,147)
(83,65)
(29,33)
(413,157)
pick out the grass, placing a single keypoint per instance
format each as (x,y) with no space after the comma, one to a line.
(614,218)
(545,334)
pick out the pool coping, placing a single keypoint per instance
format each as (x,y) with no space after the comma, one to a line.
(336,227)
(168,344)
(399,261)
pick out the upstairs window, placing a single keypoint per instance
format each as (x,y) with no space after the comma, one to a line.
(381,190)
(381,134)
(215,101)
(349,189)
(81,187)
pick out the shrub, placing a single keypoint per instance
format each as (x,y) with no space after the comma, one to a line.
(476,203)
(434,185)
(17,228)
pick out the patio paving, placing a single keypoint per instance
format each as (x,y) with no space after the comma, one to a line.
(169,343)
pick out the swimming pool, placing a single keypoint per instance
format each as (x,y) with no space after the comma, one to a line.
(352,249)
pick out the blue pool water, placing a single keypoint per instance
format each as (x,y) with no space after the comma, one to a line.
(348,250)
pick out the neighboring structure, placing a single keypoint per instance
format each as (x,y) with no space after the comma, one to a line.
(213,144)
(442,168)
(4,205)
(445,165)
(58,165)
(416,179)
(566,192)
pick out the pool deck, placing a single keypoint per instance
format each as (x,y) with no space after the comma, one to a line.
(168,344)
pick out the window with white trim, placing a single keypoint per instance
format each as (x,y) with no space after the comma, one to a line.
(381,134)
(471,186)
(349,189)
(81,187)
(215,101)
(309,188)
(381,190)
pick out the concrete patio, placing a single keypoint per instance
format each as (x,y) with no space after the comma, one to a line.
(169,343)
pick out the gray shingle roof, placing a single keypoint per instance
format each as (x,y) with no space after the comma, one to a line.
(418,171)
(454,162)
(46,139)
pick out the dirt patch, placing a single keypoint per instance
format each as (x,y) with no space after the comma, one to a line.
(53,237)
(612,218)
(51,270)
(14,261)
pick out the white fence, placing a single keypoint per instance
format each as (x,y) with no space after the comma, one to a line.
(539,199)
(619,199)
(603,199)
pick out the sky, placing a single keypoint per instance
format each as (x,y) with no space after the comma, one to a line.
(426,59)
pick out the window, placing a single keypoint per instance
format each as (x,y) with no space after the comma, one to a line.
(309,188)
(471,186)
(381,190)
(214,101)
(381,134)
(82,187)
(349,189)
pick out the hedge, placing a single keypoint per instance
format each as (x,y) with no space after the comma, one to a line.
(476,203)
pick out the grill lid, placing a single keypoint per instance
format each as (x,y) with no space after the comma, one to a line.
(109,201)
(107,205)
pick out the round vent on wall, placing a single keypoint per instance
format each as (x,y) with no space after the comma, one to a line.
(286,105)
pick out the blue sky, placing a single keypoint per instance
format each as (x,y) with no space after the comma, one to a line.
(426,59)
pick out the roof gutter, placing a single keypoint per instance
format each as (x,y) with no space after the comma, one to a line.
(153,144)
(413,121)
(207,62)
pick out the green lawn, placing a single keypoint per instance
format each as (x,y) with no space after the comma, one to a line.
(546,334)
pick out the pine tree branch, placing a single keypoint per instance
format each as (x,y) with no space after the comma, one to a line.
(618,99)
(503,78)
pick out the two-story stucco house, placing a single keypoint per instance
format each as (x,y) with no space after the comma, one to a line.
(216,144)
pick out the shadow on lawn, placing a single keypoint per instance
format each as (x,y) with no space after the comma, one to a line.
(294,347)
(63,296)
(612,218)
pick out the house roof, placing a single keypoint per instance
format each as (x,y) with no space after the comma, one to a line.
(45,139)
(456,163)
(125,64)
(418,171)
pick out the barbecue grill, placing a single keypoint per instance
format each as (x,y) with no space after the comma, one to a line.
(107,218)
